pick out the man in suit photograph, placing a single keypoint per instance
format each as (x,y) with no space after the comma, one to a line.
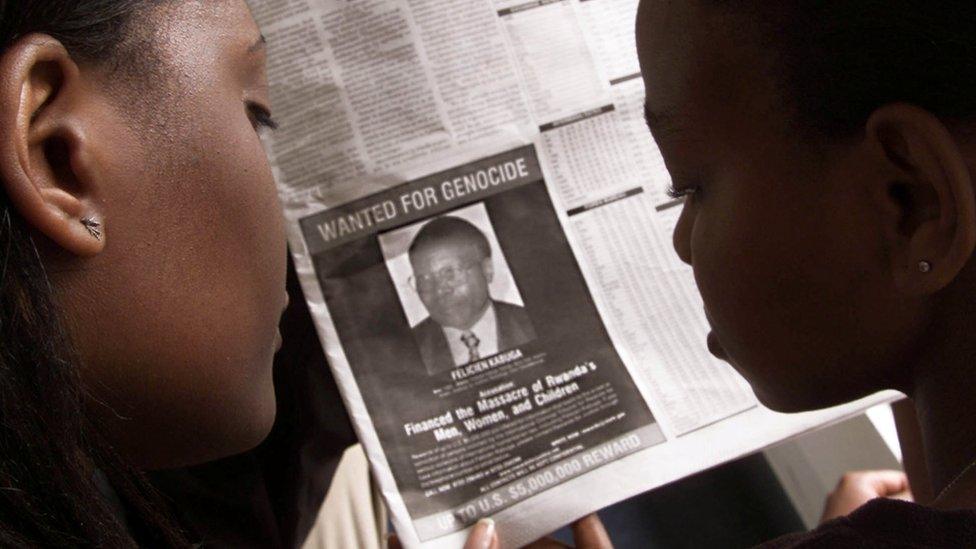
(452,270)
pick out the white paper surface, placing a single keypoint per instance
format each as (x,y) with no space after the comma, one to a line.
(390,110)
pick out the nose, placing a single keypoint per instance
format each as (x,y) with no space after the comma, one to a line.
(681,239)
(445,287)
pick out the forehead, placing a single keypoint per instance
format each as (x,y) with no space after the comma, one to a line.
(453,249)
(184,56)
(666,50)
(701,64)
(198,30)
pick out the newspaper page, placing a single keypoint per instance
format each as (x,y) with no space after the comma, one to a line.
(479,220)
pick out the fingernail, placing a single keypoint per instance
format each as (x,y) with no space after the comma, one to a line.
(483,534)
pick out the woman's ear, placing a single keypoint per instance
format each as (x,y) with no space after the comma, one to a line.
(46,160)
(488,267)
(930,219)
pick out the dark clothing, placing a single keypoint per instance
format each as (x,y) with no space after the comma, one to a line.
(514,329)
(887,523)
(270,497)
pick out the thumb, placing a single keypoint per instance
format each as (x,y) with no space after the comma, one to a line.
(482,536)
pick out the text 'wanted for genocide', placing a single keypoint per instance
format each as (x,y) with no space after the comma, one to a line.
(420,199)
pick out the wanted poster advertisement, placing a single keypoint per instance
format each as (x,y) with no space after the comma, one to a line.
(480,356)
(479,221)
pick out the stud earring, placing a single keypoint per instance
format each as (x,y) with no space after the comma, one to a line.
(94,227)
(924,266)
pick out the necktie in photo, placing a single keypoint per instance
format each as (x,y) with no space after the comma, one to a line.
(471,341)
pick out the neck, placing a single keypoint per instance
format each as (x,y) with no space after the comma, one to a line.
(944,383)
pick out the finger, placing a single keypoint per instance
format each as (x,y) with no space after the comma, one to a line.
(904,496)
(589,533)
(482,536)
(886,483)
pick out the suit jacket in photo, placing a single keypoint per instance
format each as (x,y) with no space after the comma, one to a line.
(514,329)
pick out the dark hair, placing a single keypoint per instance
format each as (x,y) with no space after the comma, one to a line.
(50,450)
(842,59)
(450,228)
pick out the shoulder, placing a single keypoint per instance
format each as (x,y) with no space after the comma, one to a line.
(836,534)
(505,308)
(429,335)
(425,326)
(512,315)
(888,523)
(514,325)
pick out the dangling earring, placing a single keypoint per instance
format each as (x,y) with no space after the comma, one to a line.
(94,227)
(924,266)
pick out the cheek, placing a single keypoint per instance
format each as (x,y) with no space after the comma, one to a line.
(244,241)
(472,296)
(198,256)
(430,299)
(476,288)
(743,271)
(788,286)
(733,265)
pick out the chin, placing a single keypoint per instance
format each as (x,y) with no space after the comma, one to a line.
(240,427)
(781,405)
(244,435)
(256,425)
(800,400)
(187,449)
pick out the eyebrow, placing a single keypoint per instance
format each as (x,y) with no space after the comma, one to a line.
(258,45)
(660,122)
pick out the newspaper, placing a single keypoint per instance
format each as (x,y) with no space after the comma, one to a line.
(479,220)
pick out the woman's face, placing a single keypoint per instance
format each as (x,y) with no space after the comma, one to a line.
(177,317)
(784,239)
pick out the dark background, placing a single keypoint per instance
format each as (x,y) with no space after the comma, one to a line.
(733,506)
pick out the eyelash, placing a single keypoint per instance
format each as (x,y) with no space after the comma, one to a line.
(261,118)
(682,191)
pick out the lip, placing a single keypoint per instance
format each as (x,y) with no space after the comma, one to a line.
(715,347)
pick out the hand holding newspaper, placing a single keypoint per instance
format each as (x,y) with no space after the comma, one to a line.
(478,217)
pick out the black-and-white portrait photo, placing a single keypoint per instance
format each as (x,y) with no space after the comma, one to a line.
(456,289)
